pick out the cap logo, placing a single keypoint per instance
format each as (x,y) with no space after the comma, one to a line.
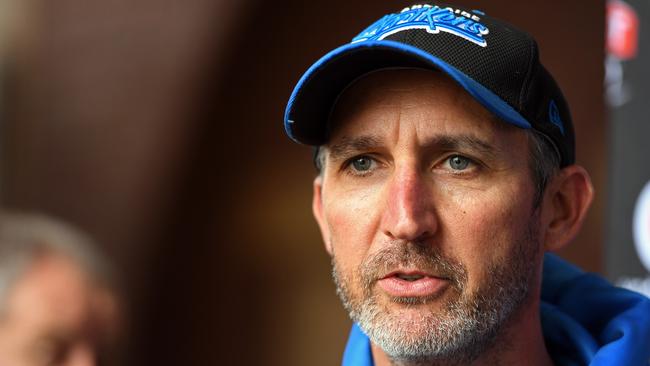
(554,116)
(433,19)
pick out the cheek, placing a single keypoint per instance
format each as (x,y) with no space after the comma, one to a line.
(482,227)
(352,220)
(17,339)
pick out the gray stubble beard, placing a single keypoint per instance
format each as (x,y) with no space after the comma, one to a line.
(468,324)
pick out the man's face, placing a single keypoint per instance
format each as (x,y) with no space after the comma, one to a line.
(54,316)
(426,205)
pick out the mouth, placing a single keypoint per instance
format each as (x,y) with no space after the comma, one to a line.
(413,283)
(408,277)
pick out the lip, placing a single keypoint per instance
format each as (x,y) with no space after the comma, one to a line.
(427,286)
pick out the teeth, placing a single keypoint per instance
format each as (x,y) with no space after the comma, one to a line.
(409,278)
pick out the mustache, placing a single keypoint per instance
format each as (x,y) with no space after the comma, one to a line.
(425,257)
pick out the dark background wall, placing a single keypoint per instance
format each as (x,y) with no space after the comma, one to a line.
(157,127)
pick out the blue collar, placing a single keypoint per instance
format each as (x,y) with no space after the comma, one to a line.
(357,351)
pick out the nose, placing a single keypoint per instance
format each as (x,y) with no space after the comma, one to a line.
(409,213)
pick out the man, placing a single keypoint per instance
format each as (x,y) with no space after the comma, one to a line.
(57,307)
(446,172)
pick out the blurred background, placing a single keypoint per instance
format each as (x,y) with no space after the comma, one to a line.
(156,126)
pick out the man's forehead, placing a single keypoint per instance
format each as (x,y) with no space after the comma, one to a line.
(383,86)
(369,101)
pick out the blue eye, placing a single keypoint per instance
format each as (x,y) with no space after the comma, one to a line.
(362,163)
(458,162)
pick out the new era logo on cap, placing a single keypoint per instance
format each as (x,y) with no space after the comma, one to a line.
(554,115)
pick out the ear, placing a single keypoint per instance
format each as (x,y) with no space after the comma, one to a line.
(317,209)
(565,206)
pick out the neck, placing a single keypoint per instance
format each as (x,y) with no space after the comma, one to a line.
(520,342)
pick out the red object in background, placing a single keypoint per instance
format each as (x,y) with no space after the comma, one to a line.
(622,30)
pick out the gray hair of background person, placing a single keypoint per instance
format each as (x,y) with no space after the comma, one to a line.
(25,237)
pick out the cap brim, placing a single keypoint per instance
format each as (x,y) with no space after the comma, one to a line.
(311,102)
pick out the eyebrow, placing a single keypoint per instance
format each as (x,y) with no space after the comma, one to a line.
(348,146)
(462,143)
(352,145)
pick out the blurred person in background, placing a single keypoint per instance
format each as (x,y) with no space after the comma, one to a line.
(58,306)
